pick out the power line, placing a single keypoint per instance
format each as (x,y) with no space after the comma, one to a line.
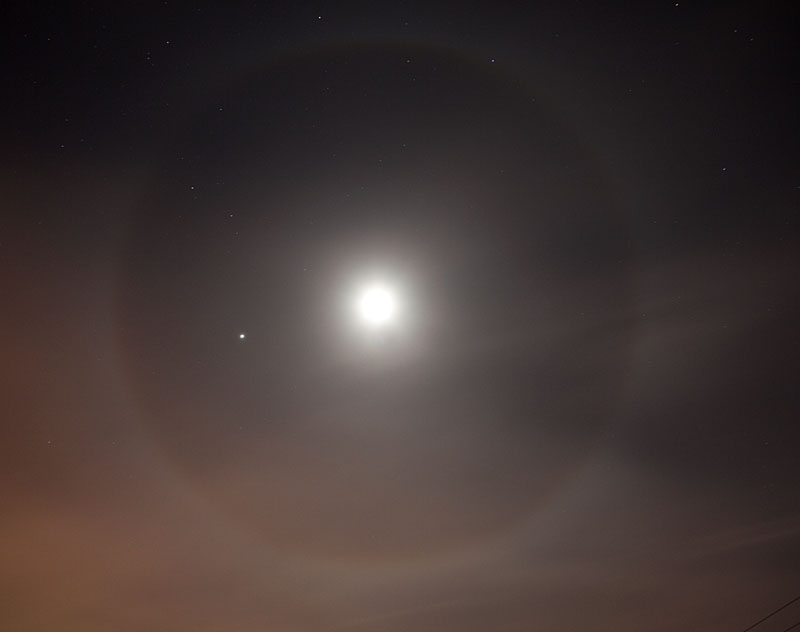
(786,605)
(792,627)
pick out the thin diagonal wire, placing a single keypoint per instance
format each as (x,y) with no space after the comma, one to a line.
(774,612)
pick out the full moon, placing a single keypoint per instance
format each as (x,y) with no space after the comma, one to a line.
(376,305)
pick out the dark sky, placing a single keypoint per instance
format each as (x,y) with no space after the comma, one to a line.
(583,413)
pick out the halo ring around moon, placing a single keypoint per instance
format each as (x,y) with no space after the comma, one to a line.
(139,374)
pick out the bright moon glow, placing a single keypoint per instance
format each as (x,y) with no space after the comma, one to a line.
(377,305)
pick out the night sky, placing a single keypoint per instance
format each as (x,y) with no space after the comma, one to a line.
(579,408)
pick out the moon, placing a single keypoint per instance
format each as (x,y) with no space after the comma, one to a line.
(377,305)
